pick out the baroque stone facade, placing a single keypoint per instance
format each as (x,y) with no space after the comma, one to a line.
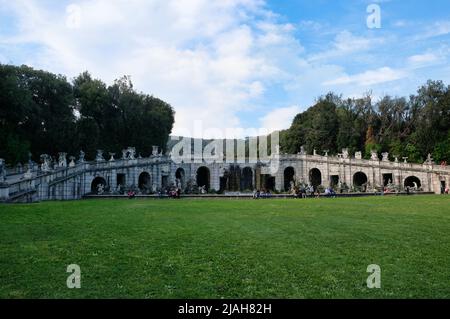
(59,180)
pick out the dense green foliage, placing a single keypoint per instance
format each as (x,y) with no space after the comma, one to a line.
(407,127)
(227,248)
(43,113)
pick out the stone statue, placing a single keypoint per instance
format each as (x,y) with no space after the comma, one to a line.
(302,150)
(124,154)
(358,155)
(314,152)
(99,157)
(28,174)
(62,161)
(112,157)
(30,161)
(131,153)
(429,160)
(2,170)
(155,150)
(72,161)
(374,156)
(385,157)
(405,160)
(345,153)
(46,163)
(100,189)
(82,155)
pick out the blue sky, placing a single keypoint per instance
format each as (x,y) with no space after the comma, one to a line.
(234,63)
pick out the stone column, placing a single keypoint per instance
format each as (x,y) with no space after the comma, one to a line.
(347,173)
(4,191)
(328,184)
(304,172)
(113,180)
(215,179)
(157,176)
(279,178)
(135,177)
(258,177)
(2,171)
(436,183)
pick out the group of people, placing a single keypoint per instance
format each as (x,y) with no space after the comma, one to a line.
(301,192)
(329,192)
(262,194)
(310,191)
(304,192)
(174,193)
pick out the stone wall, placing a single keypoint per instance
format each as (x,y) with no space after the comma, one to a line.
(73,181)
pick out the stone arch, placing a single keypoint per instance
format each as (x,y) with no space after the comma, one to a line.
(181,176)
(96,182)
(145,182)
(289,176)
(204,177)
(409,182)
(360,180)
(315,177)
(247,179)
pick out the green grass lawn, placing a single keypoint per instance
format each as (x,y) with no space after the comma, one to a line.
(227,248)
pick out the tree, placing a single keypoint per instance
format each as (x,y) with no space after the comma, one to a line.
(315,129)
(37,113)
(432,121)
(44,113)
(412,127)
(371,143)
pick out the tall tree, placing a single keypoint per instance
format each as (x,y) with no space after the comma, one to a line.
(43,113)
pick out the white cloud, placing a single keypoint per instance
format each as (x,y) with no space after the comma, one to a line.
(439,28)
(279,119)
(346,43)
(370,77)
(400,23)
(209,59)
(421,60)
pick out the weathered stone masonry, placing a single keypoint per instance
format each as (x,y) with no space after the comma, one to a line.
(71,181)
